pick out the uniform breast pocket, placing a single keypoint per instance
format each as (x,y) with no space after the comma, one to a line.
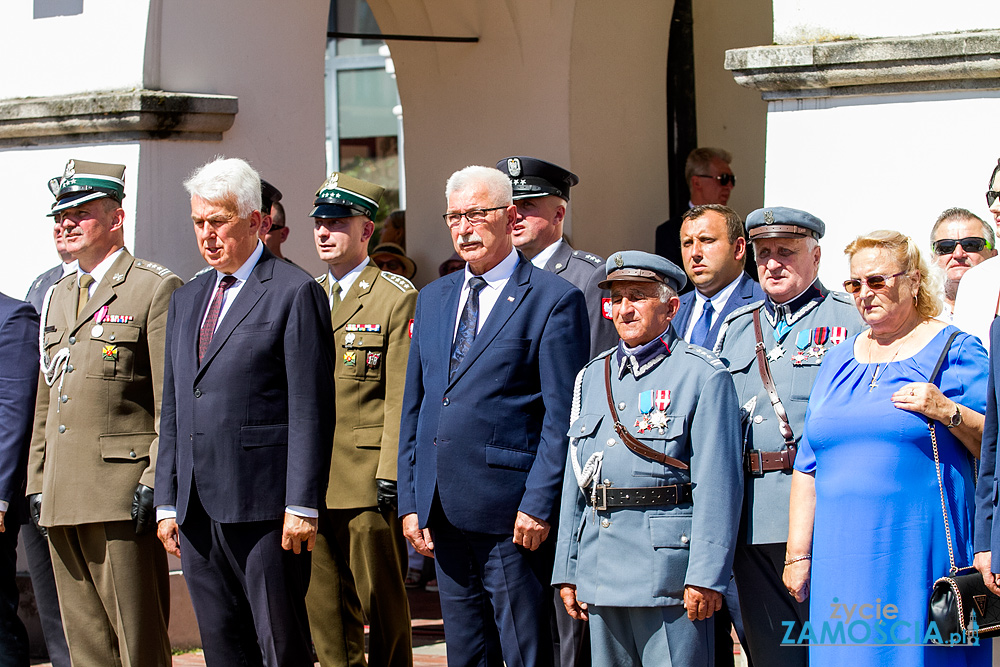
(670,537)
(362,355)
(112,351)
(669,440)
(53,341)
(803,377)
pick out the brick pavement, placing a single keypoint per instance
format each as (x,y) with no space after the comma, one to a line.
(428,636)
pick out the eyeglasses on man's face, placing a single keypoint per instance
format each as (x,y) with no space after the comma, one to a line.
(723,179)
(475,216)
(875,283)
(991,196)
(969,244)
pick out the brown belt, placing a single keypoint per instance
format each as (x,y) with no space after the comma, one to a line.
(675,494)
(758,462)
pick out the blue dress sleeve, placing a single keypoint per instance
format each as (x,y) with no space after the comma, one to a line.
(965,375)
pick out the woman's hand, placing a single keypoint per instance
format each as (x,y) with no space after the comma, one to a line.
(796,579)
(925,398)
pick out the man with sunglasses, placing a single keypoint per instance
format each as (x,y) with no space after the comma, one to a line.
(710,180)
(794,326)
(978,298)
(960,240)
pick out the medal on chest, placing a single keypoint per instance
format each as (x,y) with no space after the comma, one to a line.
(652,410)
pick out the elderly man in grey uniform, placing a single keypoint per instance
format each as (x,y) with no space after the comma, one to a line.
(541,194)
(774,348)
(652,476)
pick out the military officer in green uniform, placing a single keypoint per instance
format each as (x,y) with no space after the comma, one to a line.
(794,326)
(93,446)
(360,554)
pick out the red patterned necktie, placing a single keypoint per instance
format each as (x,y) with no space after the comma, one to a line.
(212,319)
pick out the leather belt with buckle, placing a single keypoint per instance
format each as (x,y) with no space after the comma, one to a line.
(758,462)
(675,494)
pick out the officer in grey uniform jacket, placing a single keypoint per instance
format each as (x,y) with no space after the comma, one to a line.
(799,321)
(651,493)
(541,194)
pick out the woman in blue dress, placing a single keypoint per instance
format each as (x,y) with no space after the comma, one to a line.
(866,528)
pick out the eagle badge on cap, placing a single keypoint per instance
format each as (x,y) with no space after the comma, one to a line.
(70,170)
(330,183)
(514,166)
(619,262)
(768,218)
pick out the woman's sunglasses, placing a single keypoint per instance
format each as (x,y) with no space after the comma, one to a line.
(875,283)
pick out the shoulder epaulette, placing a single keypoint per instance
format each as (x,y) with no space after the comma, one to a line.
(402,283)
(699,351)
(843,297)
(588,257)
(161,271)
(743,310)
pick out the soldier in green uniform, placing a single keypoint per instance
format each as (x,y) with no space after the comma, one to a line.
(93,447)
(360,555)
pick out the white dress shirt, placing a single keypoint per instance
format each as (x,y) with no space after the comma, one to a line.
(496,279)
(542,258)
(976,301)
(346,282)
(98,272)
(719,302)
(229,296)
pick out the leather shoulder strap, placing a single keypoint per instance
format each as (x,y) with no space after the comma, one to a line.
(630,441)
(765,376)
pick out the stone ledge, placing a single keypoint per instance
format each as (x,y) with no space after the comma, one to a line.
(948,62)
(117,115)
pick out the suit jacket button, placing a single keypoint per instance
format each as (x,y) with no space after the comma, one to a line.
(132,454)
(685,539)
(197,393)
(72,340)
(62,428)
(69,369)
(64,398)
(446,402)
(605,523)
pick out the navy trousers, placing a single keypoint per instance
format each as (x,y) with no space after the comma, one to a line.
(13,636)
(496,600)
(248,593)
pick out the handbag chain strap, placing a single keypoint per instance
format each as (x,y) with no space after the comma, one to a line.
(937,460)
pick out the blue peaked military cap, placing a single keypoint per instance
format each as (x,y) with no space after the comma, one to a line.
(782,222)
(642,267)
(531,177)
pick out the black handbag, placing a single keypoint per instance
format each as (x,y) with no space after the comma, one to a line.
(956,597)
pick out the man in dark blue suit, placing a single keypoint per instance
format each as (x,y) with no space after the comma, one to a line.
(986,536)
(18,383)
(248,413)
(489,384)
(714,249)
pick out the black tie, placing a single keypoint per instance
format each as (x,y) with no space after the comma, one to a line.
(467,325)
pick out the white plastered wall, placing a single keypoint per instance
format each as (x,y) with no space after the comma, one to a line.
(192,47)
(892,162)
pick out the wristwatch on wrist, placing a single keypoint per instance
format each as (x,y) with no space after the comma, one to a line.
(956,419)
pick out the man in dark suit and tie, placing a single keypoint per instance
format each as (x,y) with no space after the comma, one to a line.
(246,429)
(489,384)
(714,249)
(18,382)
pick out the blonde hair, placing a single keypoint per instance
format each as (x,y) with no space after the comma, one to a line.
(909,258)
